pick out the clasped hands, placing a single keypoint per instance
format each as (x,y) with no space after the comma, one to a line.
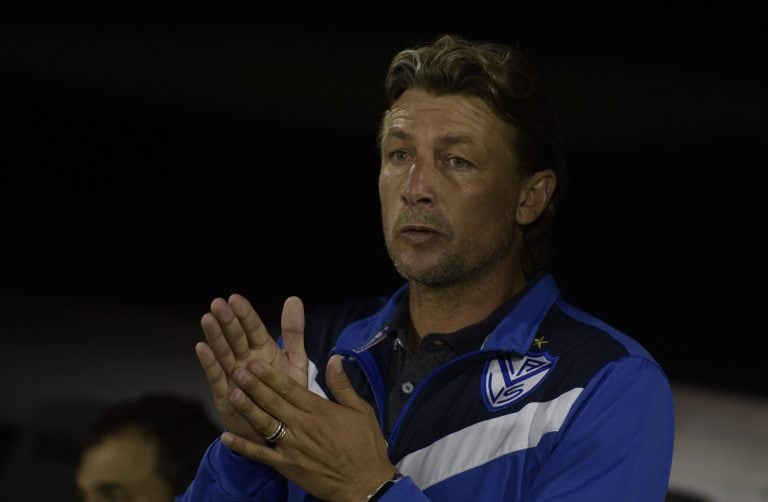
(334,450)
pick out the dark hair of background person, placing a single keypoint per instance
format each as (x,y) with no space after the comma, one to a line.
(181,428)
(505,79)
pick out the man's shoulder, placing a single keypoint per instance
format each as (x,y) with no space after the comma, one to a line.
(581,326)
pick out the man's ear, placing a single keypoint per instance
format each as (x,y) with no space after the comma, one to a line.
(535,194)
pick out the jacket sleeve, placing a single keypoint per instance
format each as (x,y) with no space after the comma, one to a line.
(225,476)
(618,443)
(404,490)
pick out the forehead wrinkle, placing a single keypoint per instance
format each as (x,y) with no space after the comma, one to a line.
(443,139)
(397,132)
(460,118)
(461,123)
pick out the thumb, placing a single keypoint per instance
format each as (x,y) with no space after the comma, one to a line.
(340,386)
(292,327)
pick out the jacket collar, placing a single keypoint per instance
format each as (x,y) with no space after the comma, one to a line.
(514,332)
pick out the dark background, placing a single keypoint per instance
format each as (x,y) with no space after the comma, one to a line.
(154,160)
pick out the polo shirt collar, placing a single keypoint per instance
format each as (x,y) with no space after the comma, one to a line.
(469,338)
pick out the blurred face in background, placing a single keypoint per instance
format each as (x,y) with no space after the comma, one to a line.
(122,468)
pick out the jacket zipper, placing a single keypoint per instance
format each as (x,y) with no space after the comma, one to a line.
(427,380)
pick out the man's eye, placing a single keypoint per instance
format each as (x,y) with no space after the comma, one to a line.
(400,156)
(458,163)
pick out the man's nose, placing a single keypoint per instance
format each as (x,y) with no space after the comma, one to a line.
(419,186)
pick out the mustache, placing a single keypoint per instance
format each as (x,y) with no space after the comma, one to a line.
(423,218)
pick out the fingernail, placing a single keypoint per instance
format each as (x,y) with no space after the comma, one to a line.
(256,368)
(227,438)
(336,362)
(241,376)
(237,396)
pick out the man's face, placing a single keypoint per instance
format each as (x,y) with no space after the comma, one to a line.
(448,189)
(122,469)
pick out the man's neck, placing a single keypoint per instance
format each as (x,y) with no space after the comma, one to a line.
(448,309)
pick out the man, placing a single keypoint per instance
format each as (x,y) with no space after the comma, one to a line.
(473,381)
(144,450)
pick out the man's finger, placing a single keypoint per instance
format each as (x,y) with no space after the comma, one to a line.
(292,326)
(231,327)
(260,453)
(256,333)
(217,342)
(259,419)
(217,379)
(341,387)
(273,391)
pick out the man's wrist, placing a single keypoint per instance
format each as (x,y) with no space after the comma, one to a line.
(382,488)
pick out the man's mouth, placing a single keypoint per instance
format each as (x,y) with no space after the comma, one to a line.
(418,234)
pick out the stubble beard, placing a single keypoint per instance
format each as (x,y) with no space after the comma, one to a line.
(454,269)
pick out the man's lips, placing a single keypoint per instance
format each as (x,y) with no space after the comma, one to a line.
(418,234)
(418,228)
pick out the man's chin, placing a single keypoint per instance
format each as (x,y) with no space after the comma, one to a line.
(433,276)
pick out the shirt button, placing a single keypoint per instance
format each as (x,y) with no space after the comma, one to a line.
(407,387)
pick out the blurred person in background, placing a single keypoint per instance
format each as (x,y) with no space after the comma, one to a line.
(144,450)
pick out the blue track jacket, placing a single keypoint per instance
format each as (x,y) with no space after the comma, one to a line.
(554,406)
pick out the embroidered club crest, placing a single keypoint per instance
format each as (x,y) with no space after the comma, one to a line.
(507,379)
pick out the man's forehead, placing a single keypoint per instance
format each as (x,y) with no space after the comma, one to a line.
(453,118)
(442,139)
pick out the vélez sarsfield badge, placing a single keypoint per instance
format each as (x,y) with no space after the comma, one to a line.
(507,379)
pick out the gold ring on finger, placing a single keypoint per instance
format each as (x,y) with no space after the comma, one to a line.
(278,434)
